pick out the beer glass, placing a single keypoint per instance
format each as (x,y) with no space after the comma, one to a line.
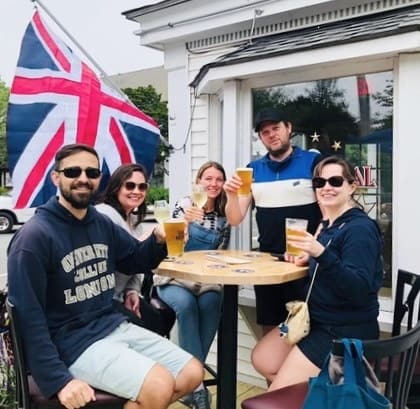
(198,195)
(296,227)
(246,176)
(161,211)
(174,231)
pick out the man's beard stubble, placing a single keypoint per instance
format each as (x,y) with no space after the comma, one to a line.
(78,200)
(279,153)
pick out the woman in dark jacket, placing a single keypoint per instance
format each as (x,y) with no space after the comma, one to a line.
(344,298)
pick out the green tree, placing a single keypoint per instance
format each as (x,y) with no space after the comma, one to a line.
(150,102)
(386,100)
(4,97)
(321,108)
(269,98)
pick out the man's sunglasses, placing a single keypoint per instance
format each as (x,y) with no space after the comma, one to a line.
(75,171)
(334,181)
(140,186)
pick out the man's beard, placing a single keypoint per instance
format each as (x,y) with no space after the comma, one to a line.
(278,153)
(78,200)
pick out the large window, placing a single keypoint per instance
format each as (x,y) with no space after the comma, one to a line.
(350,116)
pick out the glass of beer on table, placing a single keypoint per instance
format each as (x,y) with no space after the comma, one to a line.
(246,176)
(296,227)
(175,235)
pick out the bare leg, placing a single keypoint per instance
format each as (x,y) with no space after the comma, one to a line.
(269,354)
(160,389)
(156,391)
(296,368)
(280,363)
(267,328)
(188,379)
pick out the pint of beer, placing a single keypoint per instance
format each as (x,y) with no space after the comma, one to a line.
(295,227)
(174,230)
(246,176)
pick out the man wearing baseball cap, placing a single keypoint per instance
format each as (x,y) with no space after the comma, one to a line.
(281,188)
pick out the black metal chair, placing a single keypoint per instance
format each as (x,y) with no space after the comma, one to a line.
(393,361)
(28,395)
(405,318)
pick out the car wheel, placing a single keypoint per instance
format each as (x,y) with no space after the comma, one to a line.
(6,222)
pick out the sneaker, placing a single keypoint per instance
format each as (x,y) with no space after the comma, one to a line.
(201,399)
(187,400)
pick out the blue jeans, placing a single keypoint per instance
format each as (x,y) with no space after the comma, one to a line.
(198,317)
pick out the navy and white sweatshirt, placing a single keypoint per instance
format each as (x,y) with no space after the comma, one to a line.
(350,272)
(61,280)
(283,189)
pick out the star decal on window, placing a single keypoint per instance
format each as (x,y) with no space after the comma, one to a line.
(315,137)
(336,145)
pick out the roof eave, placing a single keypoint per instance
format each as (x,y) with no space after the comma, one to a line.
(211,77)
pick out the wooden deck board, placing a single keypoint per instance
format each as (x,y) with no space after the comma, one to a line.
(243,391)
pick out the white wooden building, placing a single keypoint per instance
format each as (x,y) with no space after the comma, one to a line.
(219,54)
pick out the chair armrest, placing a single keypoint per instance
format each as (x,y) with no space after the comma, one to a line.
(289,397)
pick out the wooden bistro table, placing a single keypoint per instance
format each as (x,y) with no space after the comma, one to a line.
(230,268)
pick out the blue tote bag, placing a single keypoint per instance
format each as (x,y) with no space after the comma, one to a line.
(353,391)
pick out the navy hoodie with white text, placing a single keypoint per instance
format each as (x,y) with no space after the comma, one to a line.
(61,281)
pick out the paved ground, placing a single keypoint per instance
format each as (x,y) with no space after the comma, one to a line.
(4,242)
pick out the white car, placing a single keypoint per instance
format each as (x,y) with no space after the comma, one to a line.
(10,216)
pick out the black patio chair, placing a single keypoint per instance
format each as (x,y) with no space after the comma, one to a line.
(28,395)
(406,316)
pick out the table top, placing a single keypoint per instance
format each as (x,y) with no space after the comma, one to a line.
(231,267)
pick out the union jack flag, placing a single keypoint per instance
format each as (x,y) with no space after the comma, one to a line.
(56,99)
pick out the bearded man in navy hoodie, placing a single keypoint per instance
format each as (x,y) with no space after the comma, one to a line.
(61,281)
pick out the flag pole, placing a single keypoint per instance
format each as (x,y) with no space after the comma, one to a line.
(104,75)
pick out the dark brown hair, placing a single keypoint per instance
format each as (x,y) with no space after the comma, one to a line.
(220,202)
(72,149)
(110,194)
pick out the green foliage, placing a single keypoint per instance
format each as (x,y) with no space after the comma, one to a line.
(321,108)
(7,385)
(157,193)
(150,102)
(386,100)
(4,97)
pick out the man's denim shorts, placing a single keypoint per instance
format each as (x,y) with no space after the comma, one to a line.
(120,362)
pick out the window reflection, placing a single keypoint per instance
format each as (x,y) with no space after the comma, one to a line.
(350,116)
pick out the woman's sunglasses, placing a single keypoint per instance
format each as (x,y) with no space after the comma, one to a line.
(75,171)
(334,181)
(140,186)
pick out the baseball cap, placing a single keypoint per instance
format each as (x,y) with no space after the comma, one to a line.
(267,114)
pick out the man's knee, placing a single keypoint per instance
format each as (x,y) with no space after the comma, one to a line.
(192,374)
(159,385)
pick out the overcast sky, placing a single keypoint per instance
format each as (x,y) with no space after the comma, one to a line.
(97,25)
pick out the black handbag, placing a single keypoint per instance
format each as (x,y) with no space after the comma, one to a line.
(155,314)
(158,315)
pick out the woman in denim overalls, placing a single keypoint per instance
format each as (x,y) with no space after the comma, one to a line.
(197,305)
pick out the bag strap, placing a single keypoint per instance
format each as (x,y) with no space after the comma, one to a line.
(353,362)
(316,267)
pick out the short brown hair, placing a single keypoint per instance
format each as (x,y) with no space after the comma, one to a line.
(72,149)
